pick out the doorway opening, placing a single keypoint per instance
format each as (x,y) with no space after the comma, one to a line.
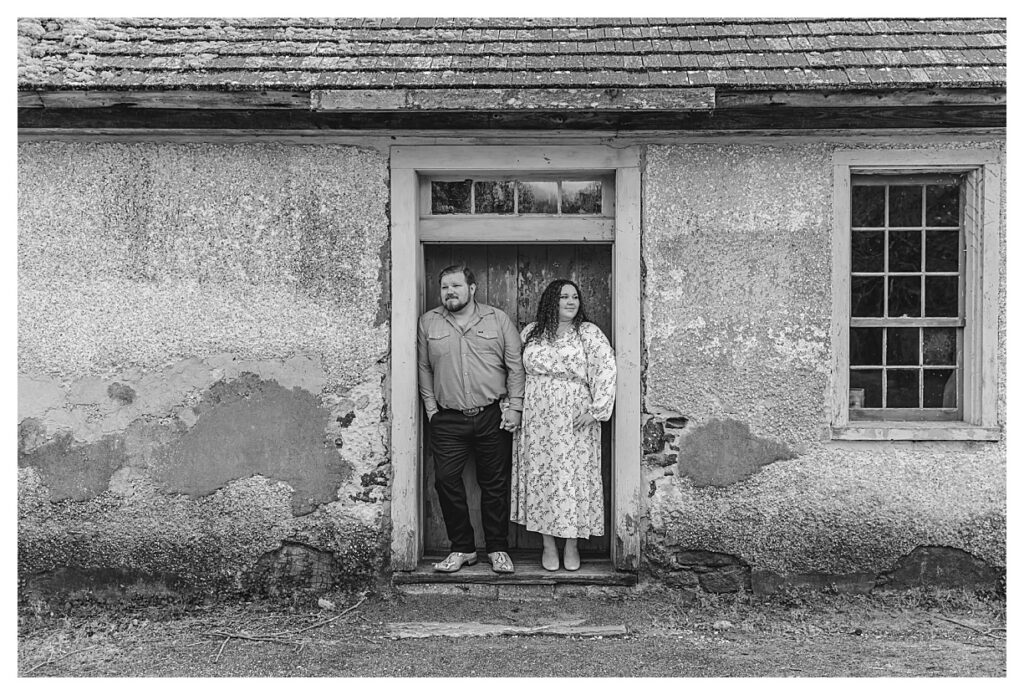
(512,277)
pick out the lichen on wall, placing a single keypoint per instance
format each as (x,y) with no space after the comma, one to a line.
(737,249)
(200,358)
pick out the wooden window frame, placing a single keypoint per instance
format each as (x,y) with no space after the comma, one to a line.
(411,167)
(981,169)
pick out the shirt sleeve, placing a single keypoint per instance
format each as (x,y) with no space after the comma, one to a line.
(600,371)
(425,372)
(515,381)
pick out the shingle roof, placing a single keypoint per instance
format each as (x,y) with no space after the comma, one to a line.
(308,54)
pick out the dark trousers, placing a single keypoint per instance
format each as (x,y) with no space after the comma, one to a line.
(453,437)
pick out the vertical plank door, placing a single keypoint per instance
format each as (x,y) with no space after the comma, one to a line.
(512,277)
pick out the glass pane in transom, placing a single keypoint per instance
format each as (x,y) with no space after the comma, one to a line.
(942,208)
(581,197)
(868,251)
(538,197)
(494,197)
(450,197)
(868,206)
(905,206)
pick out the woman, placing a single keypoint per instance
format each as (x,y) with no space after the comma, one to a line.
(570,387)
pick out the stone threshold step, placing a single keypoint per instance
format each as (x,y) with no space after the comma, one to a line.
(528,571)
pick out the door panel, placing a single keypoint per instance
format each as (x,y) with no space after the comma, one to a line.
(512,277)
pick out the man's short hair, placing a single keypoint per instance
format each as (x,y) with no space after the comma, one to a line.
(457,268)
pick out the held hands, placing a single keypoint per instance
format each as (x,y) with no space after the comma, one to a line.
(583,419)
(510,419)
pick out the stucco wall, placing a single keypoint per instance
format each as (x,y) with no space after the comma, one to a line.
(202,346)
(737,245)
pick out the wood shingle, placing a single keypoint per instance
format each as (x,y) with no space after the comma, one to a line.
(276,53)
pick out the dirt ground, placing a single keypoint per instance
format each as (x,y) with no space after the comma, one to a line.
(791,634)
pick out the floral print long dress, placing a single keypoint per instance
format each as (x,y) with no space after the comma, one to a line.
(556,469)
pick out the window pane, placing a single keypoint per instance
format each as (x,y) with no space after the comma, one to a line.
(871,381)
(494,197)
(941,296)
(868,252)
(905,206)
(868,206)
(942,251)
(901,388)
(866,296)
(901,346)
(539,197)
(940,388)
(581,197)
(905,296)
(866,346)
(447,197)
(904,252)
(943,206)
(940,346)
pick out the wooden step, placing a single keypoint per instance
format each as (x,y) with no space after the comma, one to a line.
(595,576)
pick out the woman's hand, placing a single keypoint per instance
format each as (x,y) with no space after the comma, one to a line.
(583,419)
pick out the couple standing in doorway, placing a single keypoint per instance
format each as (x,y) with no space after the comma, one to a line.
(527,406)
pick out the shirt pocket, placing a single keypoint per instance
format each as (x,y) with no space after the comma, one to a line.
(439,344)
(485,339)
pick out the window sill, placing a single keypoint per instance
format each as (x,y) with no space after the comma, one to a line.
(916,431)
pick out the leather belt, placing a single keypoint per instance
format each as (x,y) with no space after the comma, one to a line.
(470,412)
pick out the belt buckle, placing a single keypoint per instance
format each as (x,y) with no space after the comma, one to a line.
(470,412)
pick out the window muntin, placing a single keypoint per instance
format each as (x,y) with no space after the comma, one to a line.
(521,196)
(906,298)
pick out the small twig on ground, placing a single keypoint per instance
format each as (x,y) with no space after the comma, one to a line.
(221,650)
(53,661)
(254,638)
(983,633)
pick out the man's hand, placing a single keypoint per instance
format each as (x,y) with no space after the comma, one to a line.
(510,419)
(583,419)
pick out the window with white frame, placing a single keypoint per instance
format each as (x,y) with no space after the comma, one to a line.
(916,272)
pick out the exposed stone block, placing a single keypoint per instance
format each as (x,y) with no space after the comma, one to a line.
(725,580)
(766,582)
(939,566)
(294,566)
(653,436)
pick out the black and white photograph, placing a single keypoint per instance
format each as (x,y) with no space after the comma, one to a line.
(469,349)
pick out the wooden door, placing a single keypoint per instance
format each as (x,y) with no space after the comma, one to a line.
(512,277)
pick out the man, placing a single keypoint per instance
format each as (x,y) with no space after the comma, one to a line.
(470,361)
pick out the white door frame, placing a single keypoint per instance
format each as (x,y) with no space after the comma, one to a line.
(407,165)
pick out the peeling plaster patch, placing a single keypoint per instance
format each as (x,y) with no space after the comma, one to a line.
(254,427)
(75,471)
(38,394)
(723,452)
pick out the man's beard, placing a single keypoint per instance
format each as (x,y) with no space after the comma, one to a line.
(459,305)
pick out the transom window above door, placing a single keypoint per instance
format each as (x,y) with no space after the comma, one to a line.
(524,195)
(517,207)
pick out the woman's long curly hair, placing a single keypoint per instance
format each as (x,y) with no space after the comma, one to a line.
(546,324)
